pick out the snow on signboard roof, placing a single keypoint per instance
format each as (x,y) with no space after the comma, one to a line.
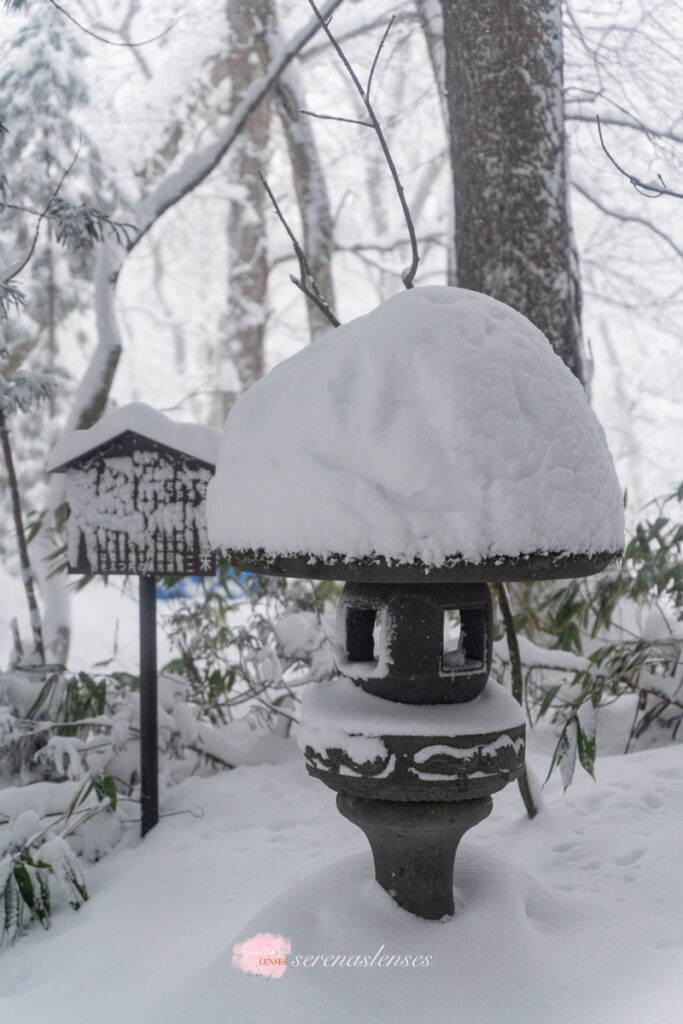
(193,439)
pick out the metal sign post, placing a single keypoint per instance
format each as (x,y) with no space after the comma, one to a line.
(136,507)
(149,751)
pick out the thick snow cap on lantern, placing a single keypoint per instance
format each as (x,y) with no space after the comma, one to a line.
(439,431)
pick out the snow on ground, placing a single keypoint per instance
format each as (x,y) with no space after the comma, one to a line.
(440,424)
(576,916)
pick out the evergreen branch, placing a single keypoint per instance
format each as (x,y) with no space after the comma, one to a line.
(80,226)
(10,296)
(42,216)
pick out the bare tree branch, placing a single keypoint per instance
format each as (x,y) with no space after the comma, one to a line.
(501,593)
(628,218)
(408,275)
(651,190)
(333,117)
(123,30)
(308,176)
(382,41)
(306,282)
(359,248)
(101,39)
(362,29)
(633,123)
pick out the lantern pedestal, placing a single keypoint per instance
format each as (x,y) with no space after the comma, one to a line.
(414,846)
(413,778)
(406,739)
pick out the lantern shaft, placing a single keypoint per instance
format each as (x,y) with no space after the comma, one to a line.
(414,846)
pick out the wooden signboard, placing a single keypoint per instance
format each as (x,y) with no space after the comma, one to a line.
(137,507)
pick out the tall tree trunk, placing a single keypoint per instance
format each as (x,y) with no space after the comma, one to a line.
(431,23)
(308,176)
(508,152)
(243,328)
(26,569)
(51,313)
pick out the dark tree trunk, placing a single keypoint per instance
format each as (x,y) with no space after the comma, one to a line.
(508,151)
(308,176)
(244,324)
(24,561)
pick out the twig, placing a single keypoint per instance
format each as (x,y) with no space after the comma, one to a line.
(101,39)
(330,117)
(382,41)
(43,214)
(635,124)
(277,710)
(408,275)
(648,189)
(211,756)
(628,217)
(362,29)
(517,683)
(306,283)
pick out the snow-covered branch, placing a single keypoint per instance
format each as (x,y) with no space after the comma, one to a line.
(198,166)
(93,390)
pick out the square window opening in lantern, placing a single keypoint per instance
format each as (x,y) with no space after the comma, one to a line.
(464,641)
(363,635)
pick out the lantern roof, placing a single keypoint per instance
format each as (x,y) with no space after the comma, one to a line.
(439,434)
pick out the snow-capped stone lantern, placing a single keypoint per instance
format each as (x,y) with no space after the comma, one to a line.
(136,486)
(418,453)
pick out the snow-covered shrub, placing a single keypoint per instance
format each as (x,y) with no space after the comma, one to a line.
(37,864)
(69,750)
(615,636)
(249,642)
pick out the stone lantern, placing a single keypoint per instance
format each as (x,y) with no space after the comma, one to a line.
(417,453)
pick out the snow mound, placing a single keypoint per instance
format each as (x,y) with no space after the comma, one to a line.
(441,424)
(355,955)
(192,439)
